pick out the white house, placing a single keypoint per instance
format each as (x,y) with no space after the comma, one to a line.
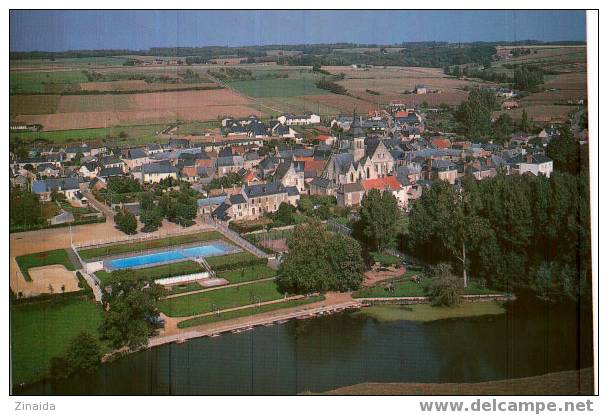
(308,118)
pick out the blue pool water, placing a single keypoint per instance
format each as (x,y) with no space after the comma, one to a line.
(167,256)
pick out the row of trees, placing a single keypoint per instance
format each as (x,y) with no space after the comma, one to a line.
(24,208)
(177,207)
(518,233)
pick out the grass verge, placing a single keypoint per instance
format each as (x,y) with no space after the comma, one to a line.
(197,321)
(427,312)
(230,297)
(255,272)
(160,271)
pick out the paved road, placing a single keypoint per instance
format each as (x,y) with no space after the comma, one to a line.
(106,210)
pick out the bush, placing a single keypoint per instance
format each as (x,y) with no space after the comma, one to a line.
(445,289)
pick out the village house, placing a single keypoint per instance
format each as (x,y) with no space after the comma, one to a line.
(154,172)
(68,186)
(229,164)
(350,194)
(290,173)
(531,163)
(509,105)
(254,201)
(420,90)
(387,183)
(308,118)
(135,157)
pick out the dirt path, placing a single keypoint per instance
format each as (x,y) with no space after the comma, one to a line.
(373,277)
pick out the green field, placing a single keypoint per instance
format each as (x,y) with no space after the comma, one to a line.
(197,321)
(230,297)
(255,272)
(40,259)
(197,127)
(278,88)
(160,271)
(145,245)
(39,82)
(136,134)
(40,331)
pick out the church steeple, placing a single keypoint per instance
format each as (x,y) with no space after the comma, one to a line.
(355,126)
(358,138)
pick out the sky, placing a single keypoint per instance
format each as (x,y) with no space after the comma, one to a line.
(138,30)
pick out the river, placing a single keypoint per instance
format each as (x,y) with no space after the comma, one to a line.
(329,352)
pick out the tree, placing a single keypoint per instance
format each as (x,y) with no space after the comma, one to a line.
(380,220)
(146,201)
(83,354)
(567,153)
(475,113)
(319,260)
(152,218)
(168,207)
(126,221)
(130,304)
(284,214)
(525,125)
(503,128)
(24,208)
(527,78)
(185,209)
(445,289)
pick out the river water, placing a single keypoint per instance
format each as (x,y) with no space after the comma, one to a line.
(329,352)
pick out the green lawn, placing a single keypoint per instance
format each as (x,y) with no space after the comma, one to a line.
(39,259)
(152,244)
(160,271)
(40,331)
(185,288)
(231,260)
(427,312)
(197,321)
(189,305)
(135,134)
(404,287)
(255,272)
(38,82)
(277,87)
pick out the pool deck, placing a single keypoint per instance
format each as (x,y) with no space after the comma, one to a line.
(227,247)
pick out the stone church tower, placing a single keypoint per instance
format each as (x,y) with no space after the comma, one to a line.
(358,138)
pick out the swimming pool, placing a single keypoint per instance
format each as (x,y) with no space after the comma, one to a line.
(169,256)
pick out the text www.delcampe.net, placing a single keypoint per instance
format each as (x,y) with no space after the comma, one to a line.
(496,405)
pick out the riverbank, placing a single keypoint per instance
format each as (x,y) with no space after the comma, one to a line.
(572,382)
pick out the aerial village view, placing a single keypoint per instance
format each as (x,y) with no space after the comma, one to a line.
(259,215)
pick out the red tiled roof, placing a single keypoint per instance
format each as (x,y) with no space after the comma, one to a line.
(441,143)
(382,183)
(400,114)
(189,171)
(314,165)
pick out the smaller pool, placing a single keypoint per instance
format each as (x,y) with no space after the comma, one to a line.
(169,256)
